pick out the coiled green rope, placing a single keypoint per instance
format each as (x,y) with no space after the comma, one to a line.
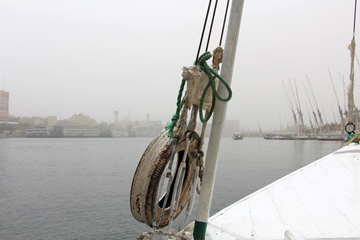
(213,74)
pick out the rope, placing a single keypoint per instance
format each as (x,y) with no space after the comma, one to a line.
(211,26)
(180,127)
(149,235)
(201,169)
(203,31)
(355,138)
(213,74)
(223,27)
(179,105)
(354,18)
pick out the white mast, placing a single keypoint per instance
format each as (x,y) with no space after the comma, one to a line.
(312,109)
(337,99)
(292,108)
(207,188)
(317,107)
(351,85)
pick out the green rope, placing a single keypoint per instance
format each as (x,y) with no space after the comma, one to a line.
(175,118)
(213,74)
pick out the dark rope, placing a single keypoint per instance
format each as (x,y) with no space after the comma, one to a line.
(202,34)
(354,19)
(211,25)
(223,27)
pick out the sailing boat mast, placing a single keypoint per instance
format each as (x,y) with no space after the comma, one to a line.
(312,109)
(291,107)
(337,99)
(299,110)
(202,215)
(317,107)
(344,93)
(311,124)
(352,47)
(281,127)
(259,127)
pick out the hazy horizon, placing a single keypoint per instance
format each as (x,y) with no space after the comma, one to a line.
(66,57)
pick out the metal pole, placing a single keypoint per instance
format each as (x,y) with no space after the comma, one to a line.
(218,121)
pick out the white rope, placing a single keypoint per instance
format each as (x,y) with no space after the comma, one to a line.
(149,235)
(180,129)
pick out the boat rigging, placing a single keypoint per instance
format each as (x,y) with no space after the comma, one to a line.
(162,185)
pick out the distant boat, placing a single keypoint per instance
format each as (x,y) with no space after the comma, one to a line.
(238,136)
(310,137)
(339,137)
(292,136)
(281,136)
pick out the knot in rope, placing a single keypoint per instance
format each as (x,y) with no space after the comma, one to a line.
(353,138)
(213,74)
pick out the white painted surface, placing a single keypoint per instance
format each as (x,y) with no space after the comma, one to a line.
(321,200)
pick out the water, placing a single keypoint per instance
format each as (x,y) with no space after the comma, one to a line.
(79,188)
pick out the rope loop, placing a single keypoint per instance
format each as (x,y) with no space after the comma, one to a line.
(213,74)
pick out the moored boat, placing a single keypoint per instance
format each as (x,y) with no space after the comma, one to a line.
(339,137)
(307,137)
(280,136)
(238,136)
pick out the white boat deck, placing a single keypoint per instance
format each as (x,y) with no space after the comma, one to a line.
(321,200)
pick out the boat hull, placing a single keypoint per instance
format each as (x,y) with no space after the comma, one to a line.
(317,201)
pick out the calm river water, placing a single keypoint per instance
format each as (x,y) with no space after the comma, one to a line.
(79,188)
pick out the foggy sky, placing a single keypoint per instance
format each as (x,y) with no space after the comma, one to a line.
(66,57)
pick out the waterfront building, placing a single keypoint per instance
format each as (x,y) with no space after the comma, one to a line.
(82,120)
(51,120)
(80,132)
(39,122)
(4,106)
(116,117)
(119,133)
(38,132)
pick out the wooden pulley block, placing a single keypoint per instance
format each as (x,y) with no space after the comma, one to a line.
(153,163)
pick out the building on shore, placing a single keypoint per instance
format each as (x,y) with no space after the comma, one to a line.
(41,132)
(82,120)
(51,120)
(80,132)
(4,106)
